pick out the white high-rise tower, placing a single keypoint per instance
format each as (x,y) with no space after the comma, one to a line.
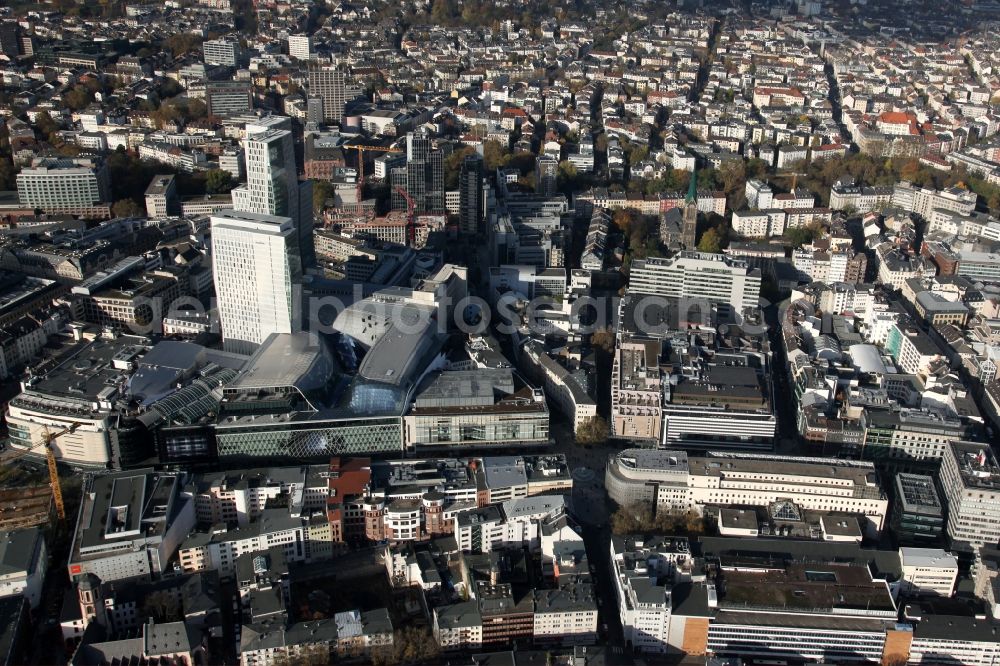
(256,268)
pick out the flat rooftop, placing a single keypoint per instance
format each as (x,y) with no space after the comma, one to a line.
(824,587)
(129,507)
(917,492)
(861,475)
(977,464)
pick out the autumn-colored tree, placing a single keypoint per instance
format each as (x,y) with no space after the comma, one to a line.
(711,241)
(494,154)
(453,166)
(218,181)
(593,431)
(798,236)
(410,645)
(126,208)
(624,218)
(45,124)
(603,338)
(78,97)
(322,191)
(162,606)
(638,518)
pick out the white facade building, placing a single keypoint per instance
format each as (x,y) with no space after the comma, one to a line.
(677,482)
(970,478)
(130,525)
(928,571)
(23,563)
(714,277)
(300,47)
(644,603)
(256,267)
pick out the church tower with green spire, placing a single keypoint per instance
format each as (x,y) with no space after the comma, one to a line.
(689,233)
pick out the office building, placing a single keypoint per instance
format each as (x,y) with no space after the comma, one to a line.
(126,297)
(909,434)
(256,269)
(470,195)
(717,400)
(273,186)
(330,85)
(9,39)
(979,266)
(458,626)
(377,500)
(422,177)
(568,384)
(644,572)
(924,201)
(300,47)
(130,525)
(476,409)
(927,571)
(225,51)
(818,602)
(636,390)
(546,175)
(516,523)
(23,563)
(228,98)
(161,197)
(698,275)
(674,481)
(64,185)
(565,616)
(348,635)
(302,532)
(917,514)
(970,481)
(231,160)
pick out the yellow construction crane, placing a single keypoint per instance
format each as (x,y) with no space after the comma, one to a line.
(362,149)
(50,459)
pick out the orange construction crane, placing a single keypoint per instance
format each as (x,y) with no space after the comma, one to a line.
(50,459)
(362,149)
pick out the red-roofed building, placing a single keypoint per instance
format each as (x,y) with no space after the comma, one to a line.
(898,123)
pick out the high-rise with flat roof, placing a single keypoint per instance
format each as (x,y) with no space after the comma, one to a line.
(228,98)
(330,85)
(225,51)
(256,266)
(546,175)
(300,47)
(470,194)
(422,177)
(970,480)
(161,197)
(273,186)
